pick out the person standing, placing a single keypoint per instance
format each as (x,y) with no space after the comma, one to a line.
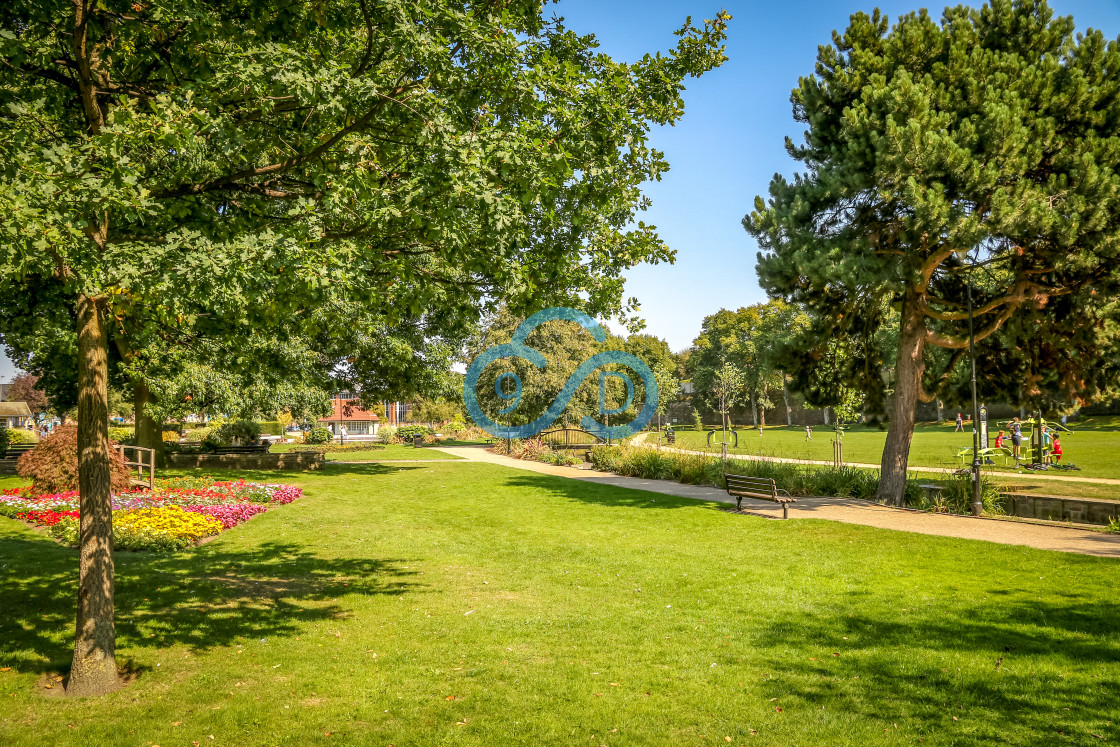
(960,423)
(1016,429)
(808,433)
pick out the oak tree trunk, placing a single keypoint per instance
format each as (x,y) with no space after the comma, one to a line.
(908,378)
(824,413)
(754,411)
(94,670)
(149,433)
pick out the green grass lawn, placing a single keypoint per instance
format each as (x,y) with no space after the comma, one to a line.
(1096,451)
(391,452)
(472,604)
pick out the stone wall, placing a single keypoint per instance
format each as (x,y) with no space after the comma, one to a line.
(292,460)
(1054,508)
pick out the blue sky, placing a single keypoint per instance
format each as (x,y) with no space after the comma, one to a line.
(730,142)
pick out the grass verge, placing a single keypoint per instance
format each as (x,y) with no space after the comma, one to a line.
(473,604)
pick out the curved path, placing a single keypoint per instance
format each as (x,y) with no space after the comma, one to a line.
(849,511)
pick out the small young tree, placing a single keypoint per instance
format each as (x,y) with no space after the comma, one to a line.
(727,388)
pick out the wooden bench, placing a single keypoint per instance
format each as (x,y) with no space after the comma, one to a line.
(16,450)
(765,488)
(261,448)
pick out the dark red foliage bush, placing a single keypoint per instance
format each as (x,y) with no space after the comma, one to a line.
(53,464)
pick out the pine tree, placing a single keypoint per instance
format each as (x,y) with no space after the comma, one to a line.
(994,132)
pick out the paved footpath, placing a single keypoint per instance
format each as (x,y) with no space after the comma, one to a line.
(849,511)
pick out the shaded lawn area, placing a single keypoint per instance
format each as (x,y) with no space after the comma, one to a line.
(474,604)
(1095,450)
(391,452)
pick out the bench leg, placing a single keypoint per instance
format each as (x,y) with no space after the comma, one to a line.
(785,510)
(738,503)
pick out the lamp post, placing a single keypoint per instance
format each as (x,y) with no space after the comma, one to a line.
(977,502)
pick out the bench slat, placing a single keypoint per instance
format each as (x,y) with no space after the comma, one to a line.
(743,486)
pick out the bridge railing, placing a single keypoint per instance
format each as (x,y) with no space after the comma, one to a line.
(570,438)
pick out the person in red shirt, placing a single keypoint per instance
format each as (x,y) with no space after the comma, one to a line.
(1056,449)
(999,440)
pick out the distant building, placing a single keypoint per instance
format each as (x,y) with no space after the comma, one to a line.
(15,414)
(349,414)
(397,412)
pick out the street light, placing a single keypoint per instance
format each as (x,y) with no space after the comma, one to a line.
(977,502)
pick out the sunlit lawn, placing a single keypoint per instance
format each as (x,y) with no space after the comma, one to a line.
(466,603)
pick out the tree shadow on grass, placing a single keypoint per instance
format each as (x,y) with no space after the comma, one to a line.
(204,598)
(603,494)
(879,674)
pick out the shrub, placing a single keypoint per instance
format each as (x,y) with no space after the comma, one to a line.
(535,449)
(956,497)
(272,427)
(406,432)
(198,435)
(318,435)
(697,423)
(237,432)
(4,441)
(122,435)
(1113,525)
(171,437)
(454,428)
(21,436)
(53,465)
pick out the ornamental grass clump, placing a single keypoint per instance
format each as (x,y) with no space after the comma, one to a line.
(699,469)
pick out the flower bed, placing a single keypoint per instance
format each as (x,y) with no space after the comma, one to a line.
(177,514)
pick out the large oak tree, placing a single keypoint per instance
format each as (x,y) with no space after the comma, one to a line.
(235,164)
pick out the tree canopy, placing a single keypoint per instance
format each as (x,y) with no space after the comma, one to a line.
(994,132)
(752,340)
(212,170)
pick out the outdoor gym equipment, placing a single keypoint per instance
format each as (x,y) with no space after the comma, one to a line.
(734,435)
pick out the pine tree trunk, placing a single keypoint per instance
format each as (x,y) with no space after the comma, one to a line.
(785,399)
(908,377)
(94,670)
